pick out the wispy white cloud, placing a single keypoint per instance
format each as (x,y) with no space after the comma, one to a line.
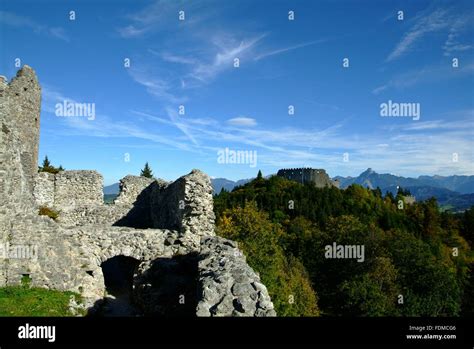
(104,126)
(158,87)
(287,49)
(429,74)
(11,19)
(453,43)
(228,48)
(182,126)
(412,149)
(242,121)
(425,23)
(168,57)
(131,31)
(216,57)
(161,14)
(407,148)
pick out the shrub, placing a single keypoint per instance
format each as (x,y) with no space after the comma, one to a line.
(46,211)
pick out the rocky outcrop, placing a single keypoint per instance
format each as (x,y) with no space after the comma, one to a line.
(168,229)
(229,286)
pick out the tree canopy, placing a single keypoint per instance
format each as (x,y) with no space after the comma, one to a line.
(418,260)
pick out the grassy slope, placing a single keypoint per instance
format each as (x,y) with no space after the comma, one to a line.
(25,301)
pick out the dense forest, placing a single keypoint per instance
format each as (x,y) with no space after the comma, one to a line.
(418,260)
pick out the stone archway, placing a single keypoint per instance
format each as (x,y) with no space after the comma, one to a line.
(119,272)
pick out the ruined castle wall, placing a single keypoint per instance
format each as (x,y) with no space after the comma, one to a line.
(69,259)
(62,257)
(75,188)
(185,205)
(44,189)
(24,102)
(67,190)
(96,214)
(19,100)
(131,187)
(317,177)
(19,112)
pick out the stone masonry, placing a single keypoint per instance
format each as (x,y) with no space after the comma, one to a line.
(168,228)
(317,177)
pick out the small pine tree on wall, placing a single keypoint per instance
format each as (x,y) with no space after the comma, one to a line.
(146,172)
(47,167)
(46,163)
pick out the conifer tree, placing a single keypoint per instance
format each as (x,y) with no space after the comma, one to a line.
(146,172)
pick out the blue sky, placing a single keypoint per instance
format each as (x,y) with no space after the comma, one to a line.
(282,63)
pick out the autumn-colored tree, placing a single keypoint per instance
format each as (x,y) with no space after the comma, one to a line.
(285,277)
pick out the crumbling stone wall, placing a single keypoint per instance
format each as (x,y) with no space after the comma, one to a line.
(131,187)
(317,177)
(23,95)
(44,189)
(75,188)
(185,205)
(19,102)
(69,189)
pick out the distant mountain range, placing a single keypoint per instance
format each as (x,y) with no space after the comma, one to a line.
(227,184)
(452,192)
(372,179)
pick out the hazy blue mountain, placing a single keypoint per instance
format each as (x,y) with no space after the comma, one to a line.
(371,179)
(227,184)
(453,192)
(461,184)
(111,189)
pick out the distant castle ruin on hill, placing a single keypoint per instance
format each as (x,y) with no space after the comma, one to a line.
(317,177)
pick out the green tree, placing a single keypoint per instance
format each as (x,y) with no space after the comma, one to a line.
(259,175)
(46,163)
(467,229)
(146,172)
(373,293)
(428,282)
(48,167)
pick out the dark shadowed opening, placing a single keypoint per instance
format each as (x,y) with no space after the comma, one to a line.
(118,279)
(118,275)
(170,287)
(139,215)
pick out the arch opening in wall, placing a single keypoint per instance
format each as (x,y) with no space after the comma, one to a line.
(119,274)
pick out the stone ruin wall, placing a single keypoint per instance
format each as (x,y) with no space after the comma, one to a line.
(19,102)
(184,205)
(68,255)
(68,189)
(318,177)
(22,101)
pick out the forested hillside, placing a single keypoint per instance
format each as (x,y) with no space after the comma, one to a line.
(418,260)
